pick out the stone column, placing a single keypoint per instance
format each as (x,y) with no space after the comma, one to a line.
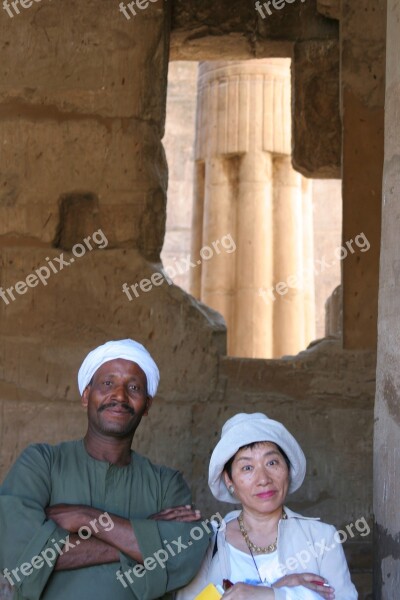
(289,312)
(309,301)
(197,227)
(252,328)
(333,313)
(243,127)
(362,94)
(387,407)
(218,270)
(178,145)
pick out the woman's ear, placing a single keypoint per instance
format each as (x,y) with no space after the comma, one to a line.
(227,479)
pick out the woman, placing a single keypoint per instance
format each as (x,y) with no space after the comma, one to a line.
(266,550)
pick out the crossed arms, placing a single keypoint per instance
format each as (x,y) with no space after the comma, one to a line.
(105,545)
(31,531)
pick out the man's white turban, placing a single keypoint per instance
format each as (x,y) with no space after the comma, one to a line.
(127,349)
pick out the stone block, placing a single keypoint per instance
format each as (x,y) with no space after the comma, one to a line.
(236,31)
(316,123)
(124,166)
(329,8)
(76,68)
(83,305)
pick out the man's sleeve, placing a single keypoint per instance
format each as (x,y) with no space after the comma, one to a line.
(172,551)
(25,531)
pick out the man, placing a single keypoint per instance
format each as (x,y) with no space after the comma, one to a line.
(91,519)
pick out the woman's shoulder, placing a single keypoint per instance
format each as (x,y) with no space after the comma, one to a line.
(313,523)
(220,523)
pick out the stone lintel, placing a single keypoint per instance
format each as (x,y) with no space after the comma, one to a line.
(236,30)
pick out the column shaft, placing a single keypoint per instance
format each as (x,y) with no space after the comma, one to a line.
(218,272)
(252,332)
(289,276)
(197,227)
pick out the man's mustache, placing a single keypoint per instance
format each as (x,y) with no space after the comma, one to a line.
(123,405)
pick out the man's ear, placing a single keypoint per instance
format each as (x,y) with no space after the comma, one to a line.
(85,396)
(149,402)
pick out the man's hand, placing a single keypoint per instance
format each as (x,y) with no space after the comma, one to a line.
(71,516)
(308,580)
(185,514)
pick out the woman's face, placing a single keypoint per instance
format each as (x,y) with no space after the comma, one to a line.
(260,477)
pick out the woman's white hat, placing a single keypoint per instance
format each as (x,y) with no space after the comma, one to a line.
(243,429)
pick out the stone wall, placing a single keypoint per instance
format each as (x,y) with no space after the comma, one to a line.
(387,410)
(82,102)
(362,107)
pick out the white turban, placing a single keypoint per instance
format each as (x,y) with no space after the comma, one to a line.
(127,349)
(243,429)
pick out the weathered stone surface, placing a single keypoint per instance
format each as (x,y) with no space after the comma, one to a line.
(124,166)
(235,30)
(81,66)
(78,218)
(387,408)
(316,124)
(362,95)
(362,186)
(329,8)
(77,118)
(56,336)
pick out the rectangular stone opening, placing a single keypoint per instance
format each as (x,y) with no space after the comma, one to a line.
(247,234)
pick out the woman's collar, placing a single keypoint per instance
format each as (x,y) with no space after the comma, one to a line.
(290,515)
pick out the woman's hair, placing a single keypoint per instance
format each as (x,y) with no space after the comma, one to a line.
(228,465)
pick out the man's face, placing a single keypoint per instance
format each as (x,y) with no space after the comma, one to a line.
(116,399)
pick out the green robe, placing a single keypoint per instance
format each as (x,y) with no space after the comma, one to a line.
(46,475)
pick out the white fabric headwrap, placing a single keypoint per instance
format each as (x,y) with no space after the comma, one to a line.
(127,349)
(243,429)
